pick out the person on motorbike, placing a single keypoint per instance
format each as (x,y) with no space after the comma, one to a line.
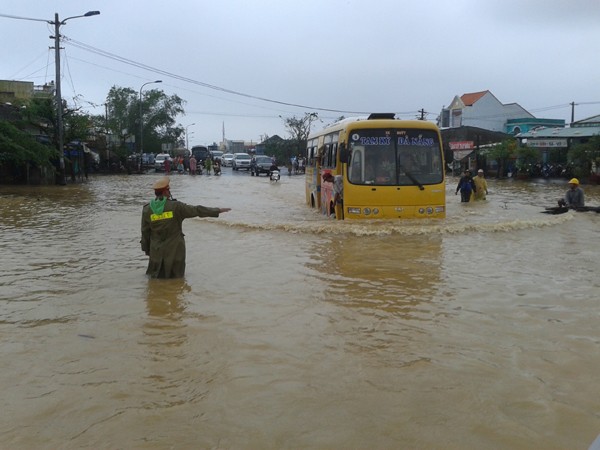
(217,167)
(273,168)
(574,197)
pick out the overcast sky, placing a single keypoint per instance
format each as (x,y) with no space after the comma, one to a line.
(333,57)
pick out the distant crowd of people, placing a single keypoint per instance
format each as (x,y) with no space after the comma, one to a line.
(298,164)
(183,165)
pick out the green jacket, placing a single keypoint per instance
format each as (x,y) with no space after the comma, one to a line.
(163,238)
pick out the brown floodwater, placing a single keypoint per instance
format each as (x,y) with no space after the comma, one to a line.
(291,330)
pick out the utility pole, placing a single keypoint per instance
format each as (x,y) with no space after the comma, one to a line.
(58,95)
(141,147)
(187,141)
(422,111)
(59,107)
(572,112)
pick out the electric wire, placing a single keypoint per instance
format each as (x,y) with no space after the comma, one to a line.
(139,65)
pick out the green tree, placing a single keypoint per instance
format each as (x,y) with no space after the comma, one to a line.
(501,153)
(39,113)
(282,149)
(19,148)
(526,156)
(121,114)
(299,130)
(159,113)
(36,120)
(584,156)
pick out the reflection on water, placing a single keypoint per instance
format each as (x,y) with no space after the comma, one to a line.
(164,339)
(166,298)
(392,274)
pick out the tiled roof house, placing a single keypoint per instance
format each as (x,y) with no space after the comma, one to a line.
(482,110)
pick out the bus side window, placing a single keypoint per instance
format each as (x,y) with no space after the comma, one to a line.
(319,156)
(334,155)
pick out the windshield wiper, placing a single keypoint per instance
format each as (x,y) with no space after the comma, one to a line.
(414,180)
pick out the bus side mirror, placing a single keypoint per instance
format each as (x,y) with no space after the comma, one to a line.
(343,153)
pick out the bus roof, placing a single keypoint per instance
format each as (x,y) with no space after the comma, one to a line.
(382,119)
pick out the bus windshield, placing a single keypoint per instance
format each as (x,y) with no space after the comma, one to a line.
(396,157)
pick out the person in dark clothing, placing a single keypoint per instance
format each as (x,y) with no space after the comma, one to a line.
(162,234)
(574,198)
(466,186)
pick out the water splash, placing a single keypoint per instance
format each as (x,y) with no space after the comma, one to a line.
(383,228)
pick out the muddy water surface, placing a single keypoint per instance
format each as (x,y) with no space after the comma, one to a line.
(291,330)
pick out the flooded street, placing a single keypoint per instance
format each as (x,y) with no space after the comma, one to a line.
(291,330)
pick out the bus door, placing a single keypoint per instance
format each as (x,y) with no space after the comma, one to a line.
(356,165)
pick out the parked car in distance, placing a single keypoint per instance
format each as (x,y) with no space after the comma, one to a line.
(159,161)
(226,159)
(260,164)
(241,161)
(216,155)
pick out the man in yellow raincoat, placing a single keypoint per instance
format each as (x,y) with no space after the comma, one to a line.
(162,234)
(481,188)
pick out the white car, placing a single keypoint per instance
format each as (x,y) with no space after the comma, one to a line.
(241,161)
(226,159)
(217,155)
(159,161)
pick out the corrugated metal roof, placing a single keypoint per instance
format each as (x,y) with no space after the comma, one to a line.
(572,132)
(593,119)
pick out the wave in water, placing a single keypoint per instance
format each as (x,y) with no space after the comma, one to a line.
(383,228)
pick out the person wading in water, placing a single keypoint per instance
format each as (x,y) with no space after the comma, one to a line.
(162,234)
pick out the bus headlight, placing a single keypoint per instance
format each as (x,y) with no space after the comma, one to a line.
(375,211)
(367,211)
(352,210)
(421,210)
(439,209)
(429,210)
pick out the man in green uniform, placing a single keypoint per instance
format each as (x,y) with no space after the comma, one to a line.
(162,234)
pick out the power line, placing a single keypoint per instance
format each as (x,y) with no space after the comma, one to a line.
(123,60)
(181,88)
(24,18)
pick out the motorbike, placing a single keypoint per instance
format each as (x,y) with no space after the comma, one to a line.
(274,177)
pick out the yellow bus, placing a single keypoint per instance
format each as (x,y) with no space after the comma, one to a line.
(384,168)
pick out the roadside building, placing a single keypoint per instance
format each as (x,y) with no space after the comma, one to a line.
(482,110)
(476,121)
(554,143)
(12,91)
(269,146)
(464,147)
